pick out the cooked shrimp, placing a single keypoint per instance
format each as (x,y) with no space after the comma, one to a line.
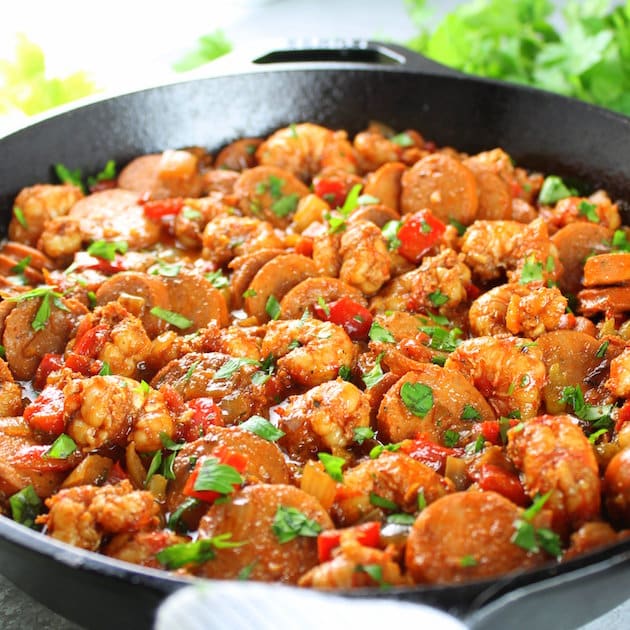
(617,488)
(346,569)
(324,418)
(492,247)
(125,344)
(83,515)
(142,547)
(326,254)
(192,219)
(38,204)
(598,208)
(310,351)
(555,456)
(393,476)
(365,259)
(619,381)
(111,410)
(509,373)
(10,393)
(306,149)
(518,309)
(374,150)
(444,275)
(226,237)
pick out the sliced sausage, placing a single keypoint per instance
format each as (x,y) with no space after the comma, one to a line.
(249,518)
(219,181)
(442,184)
(466,525)
(245,268)
(193,296)
(575,242)
(265,463)
(149,291)
(276,278)
(385,184)
(305,295)
(451,392)
(609,300)
(238,155)
(269,193)
(607,269)
(495,200)
(378,214)
(24,346)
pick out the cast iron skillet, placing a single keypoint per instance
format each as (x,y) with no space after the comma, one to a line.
(340,86)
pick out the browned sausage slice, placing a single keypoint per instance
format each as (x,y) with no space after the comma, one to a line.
(442,184)
(477,526)
(609,300)
(194,297)
(495,200)
(385,184)
(24,346)
(249,517)
(149,291)
(378,214)
(245,268)
(265,463)
(238,155)
(269,193)
(613,268)
(115,215)
(276,278)
(307,293)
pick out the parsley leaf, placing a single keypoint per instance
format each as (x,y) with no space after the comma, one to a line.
(285,205)
(362,433)
(390,232)
(107,250)
(531,271)
(231,366)
(263,428)
(470,413)
(218,477)
(380,333)
(418,398)
(372,377)
(438,298)
(218,280)
(198,551)
(289,523)
(588,210)
(332,465)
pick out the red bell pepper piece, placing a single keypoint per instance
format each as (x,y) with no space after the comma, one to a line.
(117,474)
(33,458)
(366,534)
(355,319)
(491,430)
(429,453)
(206,413)
(46,412)
(235,460)
(83,260)
(162,207)
(496,479)
(623,415)
(333,191)
(418,233)
(50,363)
(91,342)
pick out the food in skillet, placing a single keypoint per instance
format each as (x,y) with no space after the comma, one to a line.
(317,360)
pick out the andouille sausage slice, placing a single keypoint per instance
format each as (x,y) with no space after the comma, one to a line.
(466,536)
(24,346)
(306,294)
(238,155)
(605,269)
(193,296)
(276,278)
(149,292)
(575,242)
(115,215)
(265,463)
(495,200)
(250,517)
(442,184)
(379,214)
(385,184)
(269,193)
(245,268)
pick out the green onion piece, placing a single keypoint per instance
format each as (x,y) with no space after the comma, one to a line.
(61,448)
(107,250)
(19,215)
(272,307)
(554,189)
(175,319)
(382,502)
(351,202)
(333,465)
(362,433)
(26,506)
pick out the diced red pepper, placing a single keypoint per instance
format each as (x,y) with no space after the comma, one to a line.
(83,260)
(32,457)
(496,479)
(429,453)
(50,363)
(472,292)
(82,364)
(623,415)
(206,414)
(236,460)
(304,246)
(418,233)
(366,534)
(45,413)
(333,191)
(159,208)
(91,342)
(491,430)
(103,184)
(355,319)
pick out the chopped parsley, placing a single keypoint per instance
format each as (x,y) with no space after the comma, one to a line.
(262,428)
(345,373)
(620,242)
(107,250)
(168,270)
(380,333)
(460,227)
(332,465)
(438,298)
(531,271)
(365,200)
(468,561)
(554,189)
(362,433)
(451,438)
(175,319)
(191,213)
(531,538)
(402,140)
(375,571)
(217,477)
(174,520)
(379,448)
(322,304)
(272,307)
(418,398)
(289,523)
(231,366)
(390,232)
(376,374)
(61,448)
(249,293)
(198,551)
(470,413)
(217,279)
(599,416)
(285,205)
(336,223)
(588,210)
(442,339)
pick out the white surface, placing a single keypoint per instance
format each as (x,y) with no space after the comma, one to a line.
(124,44)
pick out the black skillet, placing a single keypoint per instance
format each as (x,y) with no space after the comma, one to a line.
(341,86)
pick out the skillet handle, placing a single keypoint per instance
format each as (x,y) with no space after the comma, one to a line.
(570,600)
(354,51)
